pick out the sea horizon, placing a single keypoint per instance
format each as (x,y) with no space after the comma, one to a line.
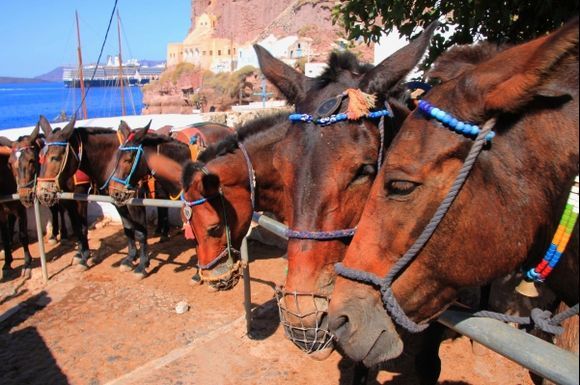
(21,104)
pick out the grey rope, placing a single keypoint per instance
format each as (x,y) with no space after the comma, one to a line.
(389,300)
(538,319)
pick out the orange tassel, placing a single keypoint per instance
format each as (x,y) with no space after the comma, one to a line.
(359,103)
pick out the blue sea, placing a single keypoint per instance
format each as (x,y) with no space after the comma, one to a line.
(22,103)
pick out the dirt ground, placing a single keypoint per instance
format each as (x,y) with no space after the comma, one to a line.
(104,326)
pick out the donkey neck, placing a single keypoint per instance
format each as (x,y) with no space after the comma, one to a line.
(98,155)
(174,150)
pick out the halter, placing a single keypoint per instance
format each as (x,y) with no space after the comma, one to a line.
(127,181)
(63,164)
(353,114)
(229,251)
(482,137)
(18,153)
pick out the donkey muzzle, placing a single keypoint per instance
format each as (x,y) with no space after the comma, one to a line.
(121,196)
(304,317)
(46,192)
(26,195)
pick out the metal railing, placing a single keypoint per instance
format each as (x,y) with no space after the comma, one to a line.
(539,356)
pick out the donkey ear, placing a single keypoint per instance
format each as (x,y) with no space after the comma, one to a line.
(393,69)
(45,125)
(140,133)
(124,129)
(210,184)
(290,82)
(192,178)
(34,134)
(69,128)
(5,142)
(548,67)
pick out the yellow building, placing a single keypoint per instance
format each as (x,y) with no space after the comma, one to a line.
(201,48)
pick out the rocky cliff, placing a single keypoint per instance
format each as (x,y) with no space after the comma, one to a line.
(245,22)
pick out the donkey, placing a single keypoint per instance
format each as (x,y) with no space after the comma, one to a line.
(133,156)
(501,218)
(328,170)
(9,212)
(221,190)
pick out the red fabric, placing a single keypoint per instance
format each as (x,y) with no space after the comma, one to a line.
(81,178)
(188,231)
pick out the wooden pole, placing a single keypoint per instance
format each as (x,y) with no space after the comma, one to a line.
(81,78)
(121,81)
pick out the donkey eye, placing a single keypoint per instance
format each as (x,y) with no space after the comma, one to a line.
(364,171)
(215,230)
(401,187)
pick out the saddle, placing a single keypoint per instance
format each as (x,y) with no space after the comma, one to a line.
(193,137)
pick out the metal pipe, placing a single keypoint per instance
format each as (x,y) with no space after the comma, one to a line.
(271,225)
(130,202)
(247,287)
(539,356)
(9,198)
(40,241)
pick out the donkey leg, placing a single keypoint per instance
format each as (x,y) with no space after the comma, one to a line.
(163,224)
(82,255)
(129,230)
(63,229)
(24,241)
(140,219)
(7,244)
(53,225)
(427,361)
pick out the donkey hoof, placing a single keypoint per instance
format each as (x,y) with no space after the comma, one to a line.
(82,266)
(27,273)
(140,275)
(76,260)
(164,238)
(125,268)
(93,261)
(52,241)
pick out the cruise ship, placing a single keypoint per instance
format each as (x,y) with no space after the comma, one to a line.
(134,74)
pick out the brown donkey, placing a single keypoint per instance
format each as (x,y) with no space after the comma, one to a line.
(504,215)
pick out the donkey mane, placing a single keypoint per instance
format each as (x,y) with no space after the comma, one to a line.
(339,62)
(459,59)
(263,125)
(95,130)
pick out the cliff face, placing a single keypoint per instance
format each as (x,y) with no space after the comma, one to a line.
(245,22)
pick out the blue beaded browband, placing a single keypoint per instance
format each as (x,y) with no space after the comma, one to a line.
(328,120)
(467,129)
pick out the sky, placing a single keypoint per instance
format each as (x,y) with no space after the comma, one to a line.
(37,36)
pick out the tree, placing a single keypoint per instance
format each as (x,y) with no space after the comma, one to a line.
(500,21)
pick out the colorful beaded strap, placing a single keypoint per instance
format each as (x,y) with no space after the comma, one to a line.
(467,129)
(328,120)
(560,240)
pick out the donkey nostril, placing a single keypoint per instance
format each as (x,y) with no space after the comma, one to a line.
(339,325)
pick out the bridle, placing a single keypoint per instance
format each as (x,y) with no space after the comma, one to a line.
(481,137)
(27,190)
(128,190)
(226,278)
(51,185)
(318,337)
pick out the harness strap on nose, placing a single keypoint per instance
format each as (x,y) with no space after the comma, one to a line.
(392,306)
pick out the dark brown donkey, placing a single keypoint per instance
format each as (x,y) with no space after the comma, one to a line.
(91,150)
(327,172)
(217,194)
(9,212)
(506,212)
(132,166)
